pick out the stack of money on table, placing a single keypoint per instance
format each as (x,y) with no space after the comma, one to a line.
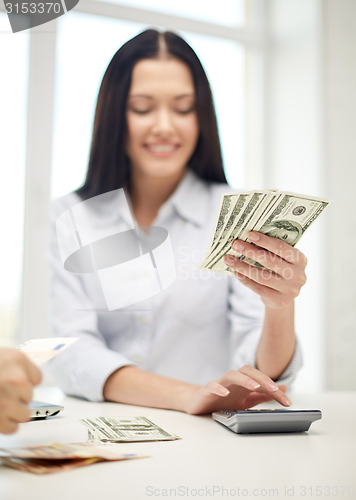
(56,457)
(125,430)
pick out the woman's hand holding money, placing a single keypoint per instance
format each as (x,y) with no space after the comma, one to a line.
(278,281)
(282,276)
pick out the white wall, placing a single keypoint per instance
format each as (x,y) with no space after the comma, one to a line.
(340,172)
(34,310)
(310,147)
(293,151)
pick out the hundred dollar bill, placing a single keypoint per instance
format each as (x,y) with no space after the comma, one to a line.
(42,350)
(225,208)
(282,215)
(55,457)
(125,429)
(255,204)
(237,205)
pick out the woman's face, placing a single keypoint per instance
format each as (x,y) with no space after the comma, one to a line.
(161,118)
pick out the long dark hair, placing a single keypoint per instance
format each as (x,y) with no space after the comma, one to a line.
(109,166)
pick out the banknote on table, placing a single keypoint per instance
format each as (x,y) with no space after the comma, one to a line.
(42,350)
(125,430)
(56,457)
(280,214)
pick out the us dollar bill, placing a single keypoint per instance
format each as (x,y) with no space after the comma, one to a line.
(237,205)
(226,203)
(255,204)
(282,215)
(125,429)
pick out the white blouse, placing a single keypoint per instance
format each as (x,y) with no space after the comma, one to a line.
(194,330)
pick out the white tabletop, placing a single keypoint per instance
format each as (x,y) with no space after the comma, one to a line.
(208,462)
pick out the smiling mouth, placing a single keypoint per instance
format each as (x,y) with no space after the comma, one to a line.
(162,148)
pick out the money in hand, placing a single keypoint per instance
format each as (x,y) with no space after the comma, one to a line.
(279,214)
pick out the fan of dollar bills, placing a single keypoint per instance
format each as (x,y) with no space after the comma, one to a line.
(283,215)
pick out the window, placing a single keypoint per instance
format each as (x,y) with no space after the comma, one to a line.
(13,121)
(232,13)
(76,91)
(224,63)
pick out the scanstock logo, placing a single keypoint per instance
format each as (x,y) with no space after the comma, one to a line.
(24,15)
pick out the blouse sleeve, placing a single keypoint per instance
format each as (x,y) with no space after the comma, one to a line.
(83,368)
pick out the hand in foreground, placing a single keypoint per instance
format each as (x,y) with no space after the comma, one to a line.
(236,390)
(284,274)
(18,375)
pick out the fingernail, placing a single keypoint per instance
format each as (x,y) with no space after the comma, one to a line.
(229,259)
(286,401)
(238,246)
(223,391)
(272,386)
(253,385)
(253,236)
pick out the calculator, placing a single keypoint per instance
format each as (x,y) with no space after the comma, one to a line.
(261,420)
(40,411)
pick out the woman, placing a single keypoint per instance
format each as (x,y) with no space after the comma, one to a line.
(208,341)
